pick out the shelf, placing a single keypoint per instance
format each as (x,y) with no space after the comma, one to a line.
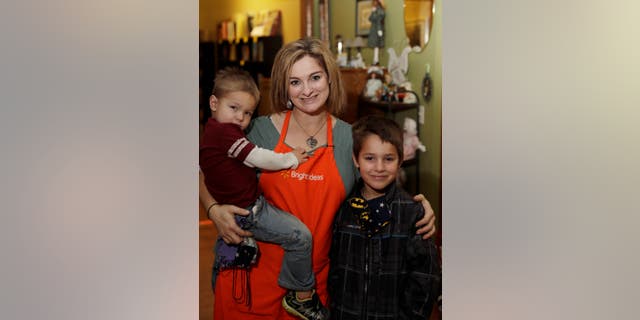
(410,162)
(390,107)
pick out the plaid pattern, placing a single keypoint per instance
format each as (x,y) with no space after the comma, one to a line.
(392,275)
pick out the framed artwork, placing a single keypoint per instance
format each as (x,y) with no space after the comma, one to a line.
(363,11)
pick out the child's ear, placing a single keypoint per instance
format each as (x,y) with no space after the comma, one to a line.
(213,101)
(355,161)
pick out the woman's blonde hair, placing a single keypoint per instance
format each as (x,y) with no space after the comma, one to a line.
(293,52)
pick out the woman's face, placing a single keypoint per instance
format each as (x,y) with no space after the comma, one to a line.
(308,85)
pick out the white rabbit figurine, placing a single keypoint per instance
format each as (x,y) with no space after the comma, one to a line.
(411,141)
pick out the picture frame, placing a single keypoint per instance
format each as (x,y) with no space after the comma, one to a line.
(363,11)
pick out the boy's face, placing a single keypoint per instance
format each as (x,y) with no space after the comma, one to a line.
(234,107)
(378,163)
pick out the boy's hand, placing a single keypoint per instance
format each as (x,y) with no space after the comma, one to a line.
(301,155)
(426,225)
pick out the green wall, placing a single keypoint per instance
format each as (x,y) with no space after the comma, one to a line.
(343,22)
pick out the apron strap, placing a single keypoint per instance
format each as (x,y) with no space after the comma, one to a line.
(285,128)
(329,130)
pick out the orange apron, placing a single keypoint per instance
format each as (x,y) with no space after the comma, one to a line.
(312,192)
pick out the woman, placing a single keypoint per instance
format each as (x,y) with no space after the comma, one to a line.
(306,92)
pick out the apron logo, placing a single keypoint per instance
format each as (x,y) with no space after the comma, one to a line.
(284,174)
(301,175)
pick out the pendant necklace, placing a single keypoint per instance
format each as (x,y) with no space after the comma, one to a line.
(311,141)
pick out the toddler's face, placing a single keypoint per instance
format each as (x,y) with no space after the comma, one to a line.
(378,164)
(235,107)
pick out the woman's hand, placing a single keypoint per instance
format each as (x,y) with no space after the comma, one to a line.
(228,229)
(427,225)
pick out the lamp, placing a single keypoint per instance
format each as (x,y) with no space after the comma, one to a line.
(357,62)
(341,53)
(358,43)
(348,44)
(339,45)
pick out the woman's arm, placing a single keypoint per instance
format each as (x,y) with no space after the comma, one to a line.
(426,225)
(222,215)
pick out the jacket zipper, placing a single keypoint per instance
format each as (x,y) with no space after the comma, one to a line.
(366,278)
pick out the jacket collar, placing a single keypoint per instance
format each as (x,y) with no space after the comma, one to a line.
(389,192)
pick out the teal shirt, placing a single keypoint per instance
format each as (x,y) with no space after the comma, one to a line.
(264,134)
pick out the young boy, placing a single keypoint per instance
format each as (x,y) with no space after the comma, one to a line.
(228,161)
(380,268)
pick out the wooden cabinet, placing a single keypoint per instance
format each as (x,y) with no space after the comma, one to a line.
(264,106)
(354,80)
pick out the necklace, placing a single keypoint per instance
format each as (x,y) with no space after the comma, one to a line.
(311,141)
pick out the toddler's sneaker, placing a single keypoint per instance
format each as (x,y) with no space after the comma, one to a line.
(307,309)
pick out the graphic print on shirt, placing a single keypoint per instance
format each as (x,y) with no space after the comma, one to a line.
(237,147)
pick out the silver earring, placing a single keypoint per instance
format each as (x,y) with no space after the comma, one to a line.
(289,105)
